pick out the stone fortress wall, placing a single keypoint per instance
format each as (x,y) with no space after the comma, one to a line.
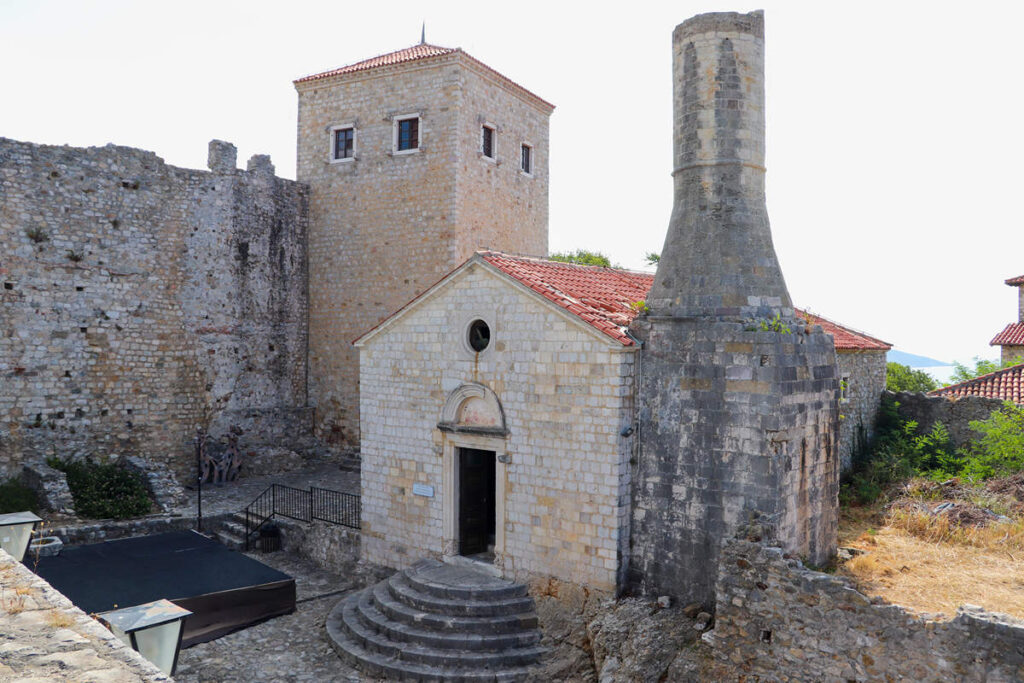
(140,300)
(384,227)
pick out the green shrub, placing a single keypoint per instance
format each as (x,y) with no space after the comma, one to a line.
(999,452)
(104,491)
(16,497)
(904,378)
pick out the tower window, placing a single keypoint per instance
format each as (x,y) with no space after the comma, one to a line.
(407,134)
(343,143)
(487,141)
(526,159)
(479,335)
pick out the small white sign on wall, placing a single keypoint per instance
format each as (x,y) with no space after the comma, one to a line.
(423,490)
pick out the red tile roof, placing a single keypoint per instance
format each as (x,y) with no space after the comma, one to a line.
(600,296)
(1006,385)
(411,54)
(603,297)
(844,337)
(1016,281)
(1012,335)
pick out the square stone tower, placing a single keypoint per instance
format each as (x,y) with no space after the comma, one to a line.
(739,398)
(414,160)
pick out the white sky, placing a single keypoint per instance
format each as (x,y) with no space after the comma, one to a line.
(894,128)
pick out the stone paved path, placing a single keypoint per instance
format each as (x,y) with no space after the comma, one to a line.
(235,496)
(289,648)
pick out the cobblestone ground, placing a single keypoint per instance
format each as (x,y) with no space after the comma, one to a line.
(289,648)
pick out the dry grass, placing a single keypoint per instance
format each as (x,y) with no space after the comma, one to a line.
(58,619)
(929,563)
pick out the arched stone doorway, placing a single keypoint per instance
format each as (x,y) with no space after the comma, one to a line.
(473,433)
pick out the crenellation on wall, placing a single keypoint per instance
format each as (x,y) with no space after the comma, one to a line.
(145,300)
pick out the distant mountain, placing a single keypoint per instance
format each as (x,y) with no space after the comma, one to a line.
(913,360)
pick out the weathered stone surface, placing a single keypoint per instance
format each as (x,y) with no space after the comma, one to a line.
(142,299)
(779,620)
(160,483)
(51,485)
(864,375)
(270,460)
(43,637)
(635,640)
(738,402)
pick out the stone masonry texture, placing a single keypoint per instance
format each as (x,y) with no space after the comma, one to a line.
(140,300)
(384,227)
(778,621)
(43,637)
(738,415)
(566,392)
(864,375)
(955,414)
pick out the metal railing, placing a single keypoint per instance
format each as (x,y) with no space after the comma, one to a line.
(323,505)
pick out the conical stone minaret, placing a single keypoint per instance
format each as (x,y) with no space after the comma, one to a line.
(738,399)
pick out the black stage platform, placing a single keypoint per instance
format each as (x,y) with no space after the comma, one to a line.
(224,589)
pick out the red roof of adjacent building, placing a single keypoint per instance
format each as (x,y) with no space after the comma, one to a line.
(606,297)
(412,54)
(1012,335)
(1016,281)
(1006,385)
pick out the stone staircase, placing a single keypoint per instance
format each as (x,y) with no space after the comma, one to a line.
(231,531)
(437,622)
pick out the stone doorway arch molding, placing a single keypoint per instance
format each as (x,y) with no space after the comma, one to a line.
(472,417)
(472,408)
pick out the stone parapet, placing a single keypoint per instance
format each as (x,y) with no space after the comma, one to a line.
(46,638)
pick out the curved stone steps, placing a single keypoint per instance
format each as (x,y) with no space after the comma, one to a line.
(400,632)
(438,622)
(399,611)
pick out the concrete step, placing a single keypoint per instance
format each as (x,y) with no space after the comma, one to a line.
(441,640)
(404,592)
(371,640)
(400,612)
(383,667)
(454,583)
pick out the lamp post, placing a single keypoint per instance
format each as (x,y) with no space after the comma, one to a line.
(153,630)
(15,532)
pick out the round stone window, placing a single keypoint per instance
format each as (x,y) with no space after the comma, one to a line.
(479,335)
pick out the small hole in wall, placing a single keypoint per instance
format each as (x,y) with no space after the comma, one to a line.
(8,285)
(764,360)
(79,412)
(766,636)
(129,411)
(60,415)
(79,288)
(270,347)
(104,412)
(67,373)
(83,329)
(128,424)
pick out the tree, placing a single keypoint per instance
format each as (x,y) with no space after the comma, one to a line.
(582,257)
(652,258)
(963,373)
(904,378)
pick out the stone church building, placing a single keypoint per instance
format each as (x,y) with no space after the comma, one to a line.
(540,418)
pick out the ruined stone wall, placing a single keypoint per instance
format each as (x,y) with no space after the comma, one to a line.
(564,388)
(140,300)
(955,414)
(864,375)
(777,620)
(385,226)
